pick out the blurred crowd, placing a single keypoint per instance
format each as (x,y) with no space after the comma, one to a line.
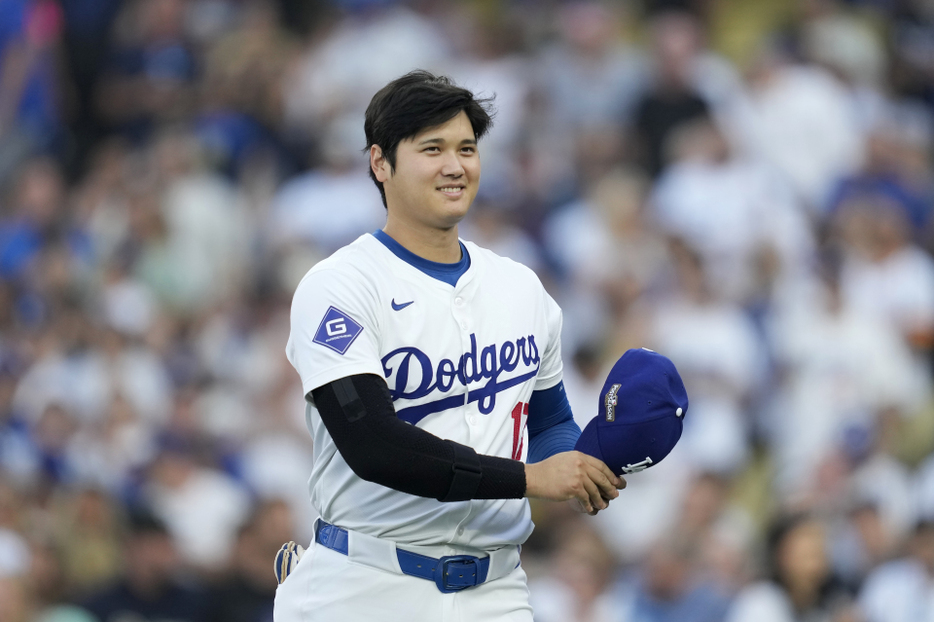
(744,186)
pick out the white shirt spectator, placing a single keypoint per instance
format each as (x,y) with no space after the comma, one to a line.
(327,208)
(761,602)
(729,210)
(842,366)
(356,59)
(129,306)
(208,232)
(899,591)
(86,382)
(886,483)
(15,558)
(553,601)
(508,79)
(202,512)
(803,121)
(898,288)
(276,465)
(695,337)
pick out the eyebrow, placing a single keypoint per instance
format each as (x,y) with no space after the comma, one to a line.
(438,141)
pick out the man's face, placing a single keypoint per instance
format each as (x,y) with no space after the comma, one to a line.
(436,175)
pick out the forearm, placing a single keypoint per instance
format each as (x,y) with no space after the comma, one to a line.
(554,440)
(381,448)
(552,429)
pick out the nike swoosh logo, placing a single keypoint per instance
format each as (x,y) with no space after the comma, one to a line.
(397,307)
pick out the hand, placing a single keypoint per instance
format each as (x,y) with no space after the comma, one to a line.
(573,475)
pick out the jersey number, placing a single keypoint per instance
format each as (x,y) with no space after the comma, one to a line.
(519,416)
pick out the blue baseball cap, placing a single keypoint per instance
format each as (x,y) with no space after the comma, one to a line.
(641,413)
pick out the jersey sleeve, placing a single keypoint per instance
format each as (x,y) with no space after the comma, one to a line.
(550,373)
(334,328)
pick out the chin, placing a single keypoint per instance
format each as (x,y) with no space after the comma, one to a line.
(455,212)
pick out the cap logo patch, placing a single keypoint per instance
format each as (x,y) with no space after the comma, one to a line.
(610,402)
(639,466)
(337,331)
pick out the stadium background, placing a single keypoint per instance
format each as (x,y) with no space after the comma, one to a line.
(744,186)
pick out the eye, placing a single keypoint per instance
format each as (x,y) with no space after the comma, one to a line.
(432,149)
(469,150)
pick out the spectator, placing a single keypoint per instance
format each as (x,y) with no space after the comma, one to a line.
(860,543)
(885,272)
(201,506)
(693,325)
(688,84)
(30,115)
(578,589)
(903,590)
(732,209)
(799,584)
(841,367)
(150,587)
(87,535)
(801,120)
(150,75)
(669,587)
(607,254)
(589,55)
(247,592)
(303,210)
(336,75)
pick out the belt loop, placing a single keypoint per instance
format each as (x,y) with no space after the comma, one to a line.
(332,537)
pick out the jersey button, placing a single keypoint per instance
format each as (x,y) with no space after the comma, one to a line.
(472,419)
(458,302)
(464,325)
(460,531)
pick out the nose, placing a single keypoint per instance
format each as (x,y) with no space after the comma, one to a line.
(452,166)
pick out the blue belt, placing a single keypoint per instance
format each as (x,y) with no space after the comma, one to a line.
(451,573)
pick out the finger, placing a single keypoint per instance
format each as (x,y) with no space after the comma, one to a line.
(606,483)
(607,489)
(618,482)
(578,506)
(582,496)
(597,501)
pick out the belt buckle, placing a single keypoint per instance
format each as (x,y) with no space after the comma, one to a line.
(462,575)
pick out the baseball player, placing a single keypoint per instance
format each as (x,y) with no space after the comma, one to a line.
(432,374)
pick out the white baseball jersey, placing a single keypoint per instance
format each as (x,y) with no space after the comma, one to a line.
(461,362)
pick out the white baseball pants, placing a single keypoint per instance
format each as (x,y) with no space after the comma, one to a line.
(328,586)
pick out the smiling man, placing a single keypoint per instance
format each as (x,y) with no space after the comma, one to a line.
(432,376)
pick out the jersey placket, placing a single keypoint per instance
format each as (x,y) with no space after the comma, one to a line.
(460,310)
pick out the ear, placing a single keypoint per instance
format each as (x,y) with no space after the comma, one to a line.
(379,164)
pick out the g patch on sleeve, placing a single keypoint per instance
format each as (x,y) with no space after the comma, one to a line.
(337,331)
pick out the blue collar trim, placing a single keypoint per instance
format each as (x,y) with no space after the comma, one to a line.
(446,272)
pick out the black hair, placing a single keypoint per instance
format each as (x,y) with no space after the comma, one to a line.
(141,520)
(413,103)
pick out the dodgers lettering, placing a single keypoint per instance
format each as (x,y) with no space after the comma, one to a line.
(403,364)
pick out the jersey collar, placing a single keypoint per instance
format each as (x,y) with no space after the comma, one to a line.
(445,272)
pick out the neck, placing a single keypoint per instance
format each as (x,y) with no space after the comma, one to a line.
(438,245)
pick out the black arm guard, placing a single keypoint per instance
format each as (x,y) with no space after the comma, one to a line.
(359,415)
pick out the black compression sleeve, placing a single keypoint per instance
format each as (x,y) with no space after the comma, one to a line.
(381,448)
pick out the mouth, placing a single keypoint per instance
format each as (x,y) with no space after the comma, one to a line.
(454,190)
